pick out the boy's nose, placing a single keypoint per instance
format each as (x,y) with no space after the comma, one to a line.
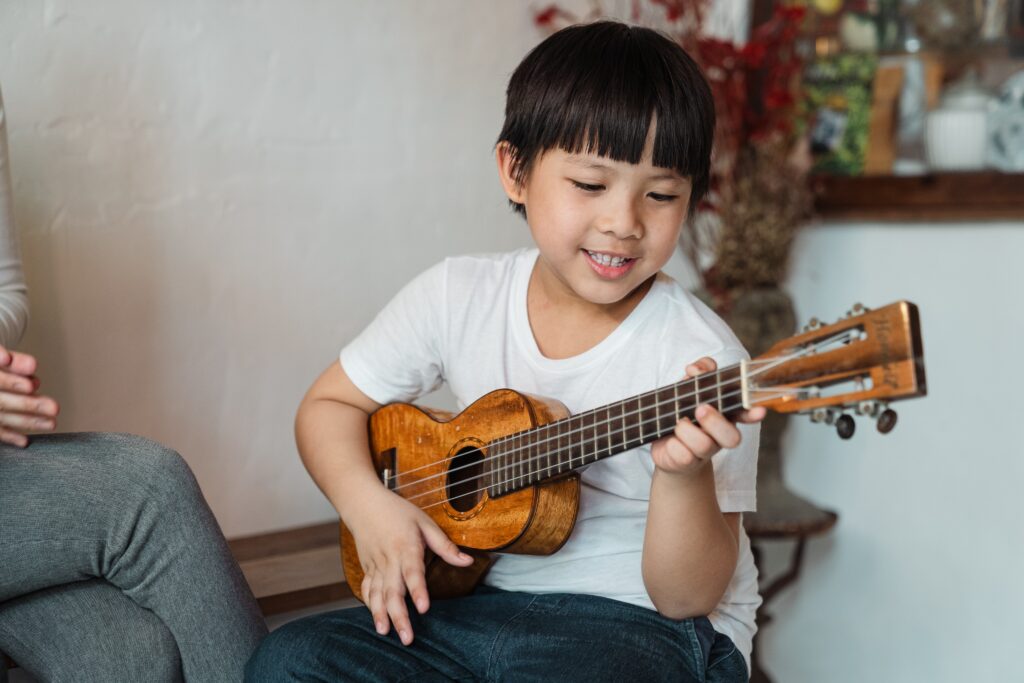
(622,220)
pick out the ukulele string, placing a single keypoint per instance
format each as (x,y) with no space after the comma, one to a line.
(767,364)
(484,488)
(772,362)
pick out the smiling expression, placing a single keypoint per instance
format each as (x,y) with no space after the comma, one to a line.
(603,227)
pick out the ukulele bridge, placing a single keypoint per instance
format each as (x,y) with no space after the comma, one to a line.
(386,462)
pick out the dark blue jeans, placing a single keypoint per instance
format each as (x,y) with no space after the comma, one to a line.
(496,635)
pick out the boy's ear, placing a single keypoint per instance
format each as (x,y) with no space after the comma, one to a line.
(506,157)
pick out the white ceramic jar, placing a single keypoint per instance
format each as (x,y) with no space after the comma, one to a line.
(956,133)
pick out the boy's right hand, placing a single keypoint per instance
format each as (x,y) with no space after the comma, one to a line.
(391,536)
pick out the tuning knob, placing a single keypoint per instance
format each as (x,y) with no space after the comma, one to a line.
(857,309)
(812,324)
(886,421)
(845,426)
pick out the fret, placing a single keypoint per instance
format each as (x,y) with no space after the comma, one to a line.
(593,432)
(640,416)
(666,420)
(718,384)
(556,465)
(730,388)
(657,414)
(622,423)
(608,430)
(523,458)
(675,392)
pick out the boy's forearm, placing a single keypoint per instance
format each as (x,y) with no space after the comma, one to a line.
(334,445)
(690,551)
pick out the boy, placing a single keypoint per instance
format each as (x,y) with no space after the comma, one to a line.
(605,148)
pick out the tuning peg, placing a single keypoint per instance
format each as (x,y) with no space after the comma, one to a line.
(868,408)
(886,421)
(812,324)
(845,426)
(857,309)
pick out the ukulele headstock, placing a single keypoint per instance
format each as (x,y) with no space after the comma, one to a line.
(858,364)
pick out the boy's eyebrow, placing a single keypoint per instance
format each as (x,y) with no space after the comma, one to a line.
(584,162)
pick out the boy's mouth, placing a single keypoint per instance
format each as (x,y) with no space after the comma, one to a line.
(609,266)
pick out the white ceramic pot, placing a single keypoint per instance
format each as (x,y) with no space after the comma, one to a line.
(956,133)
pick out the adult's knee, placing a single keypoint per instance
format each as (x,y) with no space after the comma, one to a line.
(159,469)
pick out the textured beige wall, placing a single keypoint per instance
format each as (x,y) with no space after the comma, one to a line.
(213,196)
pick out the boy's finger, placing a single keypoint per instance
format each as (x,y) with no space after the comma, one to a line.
(394,602)
(752,416)
(439,542)
(414,575)
(375,601)
(694,439)
(718,427)
(700,366)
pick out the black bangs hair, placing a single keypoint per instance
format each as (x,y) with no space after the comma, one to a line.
(597,87)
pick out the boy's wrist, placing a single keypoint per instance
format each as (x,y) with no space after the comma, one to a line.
(700,478)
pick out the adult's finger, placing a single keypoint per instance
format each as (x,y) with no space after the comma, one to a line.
(13,438)
(26,423)
(21,364)
(42,406)
(19,384)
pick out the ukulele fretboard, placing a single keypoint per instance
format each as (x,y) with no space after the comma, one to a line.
(534,455)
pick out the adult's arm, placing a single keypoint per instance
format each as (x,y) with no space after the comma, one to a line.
(13,293)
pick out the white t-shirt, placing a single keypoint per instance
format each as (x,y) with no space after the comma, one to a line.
(464,321)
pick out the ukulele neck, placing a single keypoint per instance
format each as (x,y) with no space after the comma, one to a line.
(557,448)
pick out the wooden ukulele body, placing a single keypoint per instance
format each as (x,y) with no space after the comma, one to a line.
(432,459)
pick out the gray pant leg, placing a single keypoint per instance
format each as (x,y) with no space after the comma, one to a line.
(118,507)
(95,632)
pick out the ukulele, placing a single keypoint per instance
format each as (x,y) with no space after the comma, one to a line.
(502,475)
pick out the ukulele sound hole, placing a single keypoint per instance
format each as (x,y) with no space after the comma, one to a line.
(465,484)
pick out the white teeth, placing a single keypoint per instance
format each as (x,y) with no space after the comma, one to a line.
(606,260)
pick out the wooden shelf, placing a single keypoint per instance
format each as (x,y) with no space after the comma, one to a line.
(985,195)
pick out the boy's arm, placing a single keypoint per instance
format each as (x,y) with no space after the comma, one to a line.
(331,433)
(391,534)
(690,546)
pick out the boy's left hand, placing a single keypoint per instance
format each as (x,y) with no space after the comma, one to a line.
(691,446)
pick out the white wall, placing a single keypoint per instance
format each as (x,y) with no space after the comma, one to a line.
(214,196)
(921,579)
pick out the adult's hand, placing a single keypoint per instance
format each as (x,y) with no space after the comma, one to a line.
(22,409)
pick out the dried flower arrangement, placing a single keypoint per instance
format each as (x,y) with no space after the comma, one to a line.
(760,194)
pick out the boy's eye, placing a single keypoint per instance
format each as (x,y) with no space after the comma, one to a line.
(587,187)
(662,197)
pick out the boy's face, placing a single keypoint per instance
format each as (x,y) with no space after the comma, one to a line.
(603,227)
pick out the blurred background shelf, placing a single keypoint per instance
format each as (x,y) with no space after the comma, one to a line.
(985,195)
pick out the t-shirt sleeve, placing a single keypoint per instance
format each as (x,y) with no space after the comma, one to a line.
(736,468)
(399,356)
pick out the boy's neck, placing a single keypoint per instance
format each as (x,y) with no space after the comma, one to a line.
(564,324)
